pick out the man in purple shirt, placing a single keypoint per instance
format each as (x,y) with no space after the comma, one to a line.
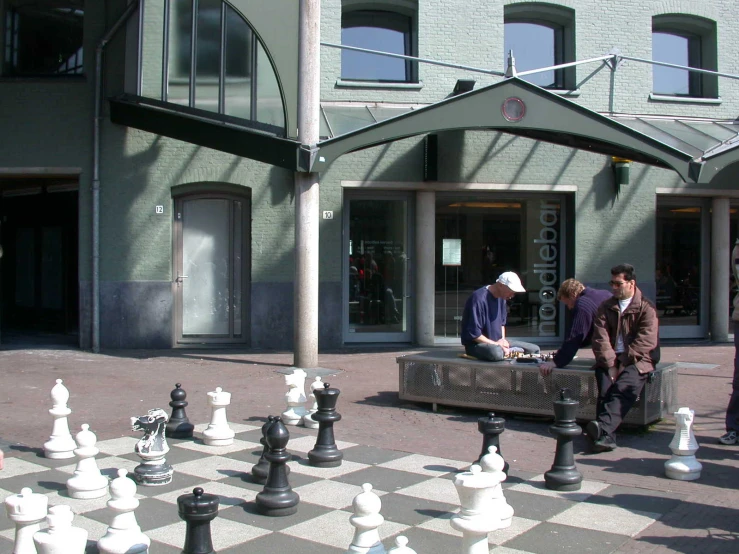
(484,318)
(584,303)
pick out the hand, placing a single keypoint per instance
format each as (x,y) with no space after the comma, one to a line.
(546,368)
(613,373)
(504,343)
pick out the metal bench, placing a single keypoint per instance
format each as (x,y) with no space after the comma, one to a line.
(442,377)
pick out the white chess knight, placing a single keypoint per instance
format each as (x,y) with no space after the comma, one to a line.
(124,535)
(683,464)
(61,537)
(477,517)
(308,420)
(366,519)
(218,432)
(493,463)
(60,445)
(87,481)
(295,398)
(27,510)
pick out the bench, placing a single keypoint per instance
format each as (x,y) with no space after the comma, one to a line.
(443,377)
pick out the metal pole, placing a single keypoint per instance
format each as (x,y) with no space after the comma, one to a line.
(720,269)
(306,190)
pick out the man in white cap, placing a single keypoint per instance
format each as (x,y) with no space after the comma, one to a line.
(484,318)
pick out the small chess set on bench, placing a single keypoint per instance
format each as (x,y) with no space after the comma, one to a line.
(518,356)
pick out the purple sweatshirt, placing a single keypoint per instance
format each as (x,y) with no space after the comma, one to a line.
(581,333)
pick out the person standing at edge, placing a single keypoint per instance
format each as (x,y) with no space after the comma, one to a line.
(732,410)
(584,302)
(484,318)
(626,348)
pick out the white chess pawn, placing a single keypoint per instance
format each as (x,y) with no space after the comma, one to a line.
(295,397)
(87,481)
(218,432)
(683,464)
(60,537)
(493,463)
(477,517)
(27,510)
(401,547)
(308,420)
(366,519)
(61,444)
(124,535)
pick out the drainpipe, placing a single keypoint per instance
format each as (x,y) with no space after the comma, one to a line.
(130,9)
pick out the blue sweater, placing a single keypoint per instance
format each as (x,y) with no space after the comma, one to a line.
(483,315)
(581,333)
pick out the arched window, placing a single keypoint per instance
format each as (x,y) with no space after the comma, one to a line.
(541,35)
(687,41)
(383,30)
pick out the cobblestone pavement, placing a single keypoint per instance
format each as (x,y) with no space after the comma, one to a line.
(107,388)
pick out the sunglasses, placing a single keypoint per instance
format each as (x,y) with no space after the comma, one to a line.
(617,283)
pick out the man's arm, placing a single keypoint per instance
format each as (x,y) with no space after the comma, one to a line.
(645,335)
(605,357)
(582,322)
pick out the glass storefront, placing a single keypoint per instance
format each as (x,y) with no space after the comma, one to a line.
(478,237)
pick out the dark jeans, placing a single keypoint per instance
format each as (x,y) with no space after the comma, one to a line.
(615,399)
(732,410)
(494,353)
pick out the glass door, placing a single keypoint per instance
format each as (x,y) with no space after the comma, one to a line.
(377,276)
(210,284)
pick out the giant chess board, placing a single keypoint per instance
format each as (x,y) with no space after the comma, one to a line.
(417,493)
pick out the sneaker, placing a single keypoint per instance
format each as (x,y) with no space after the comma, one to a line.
(593,430)
(728,438)
(604,444)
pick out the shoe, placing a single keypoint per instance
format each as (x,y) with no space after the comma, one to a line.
(728,438)
(593,430)
(604,444)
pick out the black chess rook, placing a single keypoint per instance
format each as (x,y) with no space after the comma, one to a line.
(491,428)
(198,510)
(325,452)
(277,498)
(564,476)
(178,426)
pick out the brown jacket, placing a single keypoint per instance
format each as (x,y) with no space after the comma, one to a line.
(640,330)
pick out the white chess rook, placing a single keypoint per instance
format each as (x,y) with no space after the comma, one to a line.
(477,517)
(60,445)
(124,535)
(308,420)
(27,510)
(61,537)
(218,432)
(87,481)
(683,465)
(366,519)
(295,398)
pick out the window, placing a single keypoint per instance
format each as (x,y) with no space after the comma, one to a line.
(541,35)
(43,38)
(216,63)
(686,41)
(386,31)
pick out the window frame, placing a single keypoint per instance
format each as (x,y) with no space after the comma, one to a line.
(562,21)
(390,17)
(702,51)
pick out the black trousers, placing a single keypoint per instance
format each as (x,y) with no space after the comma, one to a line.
(615,398)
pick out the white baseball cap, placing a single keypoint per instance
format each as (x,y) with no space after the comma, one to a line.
(512,281)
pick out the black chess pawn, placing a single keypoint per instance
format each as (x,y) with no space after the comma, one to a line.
(491,428)
(564,475)
(178,426)
(277,498)
(198,510)
(325,453)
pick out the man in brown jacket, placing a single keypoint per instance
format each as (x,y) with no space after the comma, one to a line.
(626,348)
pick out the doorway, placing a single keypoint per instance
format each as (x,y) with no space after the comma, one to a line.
(39,238)
(212,273)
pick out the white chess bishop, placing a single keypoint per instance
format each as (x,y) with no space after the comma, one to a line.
(124,535)
(87,481)
(295,398)
(60,445)
(477,517)
(60,537)
(218,432)
(683,465)
(365,520)
(27,510)
(308,420)
(493,463)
